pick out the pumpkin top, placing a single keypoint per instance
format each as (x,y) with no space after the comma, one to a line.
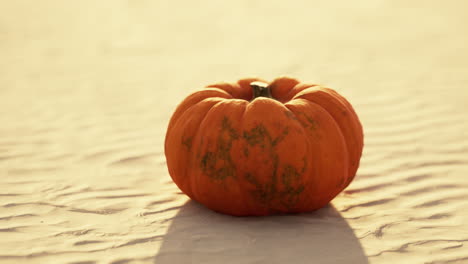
(281,89)
(260,89)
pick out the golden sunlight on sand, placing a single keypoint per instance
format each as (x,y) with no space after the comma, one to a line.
(87,89)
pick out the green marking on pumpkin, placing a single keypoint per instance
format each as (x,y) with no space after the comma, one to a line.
(281,136)
(208,162)
(263,193)
(226,126)
(218,165)
(291,194)
(257,136)
(187,143)
(268,193)
(289,174)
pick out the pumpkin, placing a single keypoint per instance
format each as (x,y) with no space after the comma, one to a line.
(258,148)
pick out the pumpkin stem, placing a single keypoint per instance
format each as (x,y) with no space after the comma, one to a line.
(260,89)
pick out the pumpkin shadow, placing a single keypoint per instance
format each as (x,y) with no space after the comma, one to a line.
(198,235)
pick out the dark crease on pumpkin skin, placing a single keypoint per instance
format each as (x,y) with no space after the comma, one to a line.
(304,168)
(290,115)
(210,161)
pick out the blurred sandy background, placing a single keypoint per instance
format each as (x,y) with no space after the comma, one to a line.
(87,89)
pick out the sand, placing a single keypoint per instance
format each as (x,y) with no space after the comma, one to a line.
(87,89)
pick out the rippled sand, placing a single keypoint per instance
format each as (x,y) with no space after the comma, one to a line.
(87,89)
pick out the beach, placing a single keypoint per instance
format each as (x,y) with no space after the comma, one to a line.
(87,90)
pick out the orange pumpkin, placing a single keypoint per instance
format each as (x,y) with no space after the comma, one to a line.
(252,148)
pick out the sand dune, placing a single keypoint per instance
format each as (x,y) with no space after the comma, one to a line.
(87,89)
